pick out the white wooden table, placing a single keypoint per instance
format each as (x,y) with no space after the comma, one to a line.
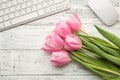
(22,59)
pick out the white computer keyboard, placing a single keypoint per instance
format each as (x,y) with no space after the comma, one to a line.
(16,12)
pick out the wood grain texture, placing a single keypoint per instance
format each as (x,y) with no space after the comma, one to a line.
(34,62)
(22,59)
(49,78)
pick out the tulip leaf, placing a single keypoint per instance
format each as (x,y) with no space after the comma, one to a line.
(111,37)
(107,49)
(101,73)
(112,78)
(89,59)
(110,46)
(103,69)
(98,39)
(87,50)
(94,61)
(101,52)
(92,66)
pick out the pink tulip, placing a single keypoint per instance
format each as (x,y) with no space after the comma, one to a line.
(60,58)
(74,23)
(62,29)
(72,42)
(53,43)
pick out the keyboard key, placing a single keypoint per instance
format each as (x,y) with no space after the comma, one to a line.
(59,6)
(45,4)
(14,2)
(58,1)
(1,19)
(39,1)
(11,15)
(65,5)
(53,8)
(24,18)
(5,17)
(17,7)
(22,12)
(41,12)
(47,10)
(3,6)
(50,2)
(1,13)
(6,11)
(20,1)
(12,9)
(17,14)
(33,8)
(25,0)
(35,2)
(28,10)
(7,23)
(9,4)
(23,5)
(1,25)
(39,6)
(28,3)
(4,0)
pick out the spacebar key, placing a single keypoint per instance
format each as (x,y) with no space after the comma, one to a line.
(24,18)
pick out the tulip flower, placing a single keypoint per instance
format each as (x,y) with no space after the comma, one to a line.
(62,29)
(74,23)
(72,42)
(53,43)
(60,58)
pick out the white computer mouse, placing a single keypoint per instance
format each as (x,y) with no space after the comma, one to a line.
(104,10)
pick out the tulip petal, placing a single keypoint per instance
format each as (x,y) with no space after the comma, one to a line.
(60,58)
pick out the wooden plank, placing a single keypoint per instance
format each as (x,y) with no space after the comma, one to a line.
(35,62)
(49,78)
(32,37)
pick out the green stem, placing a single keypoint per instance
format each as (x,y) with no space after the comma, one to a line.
(94,63)
(100,52)
(84,64)
(91,52)
(83,32)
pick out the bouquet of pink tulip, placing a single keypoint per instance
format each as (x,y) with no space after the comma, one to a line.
(65,43)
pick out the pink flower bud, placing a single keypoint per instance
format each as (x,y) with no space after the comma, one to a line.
(72,42)
(53,43)
(62,29)
(60,58)
(74,23)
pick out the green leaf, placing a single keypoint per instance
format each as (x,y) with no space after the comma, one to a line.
(92,66)
(102,41)
(87,50)
(99,40)
(112,78)
(101,73)
(101,52)
(111,37)
(87,58)
(96,62)
(103,69)
(108,50)
(104,44)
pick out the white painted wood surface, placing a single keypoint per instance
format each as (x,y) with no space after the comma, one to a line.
(22,59)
